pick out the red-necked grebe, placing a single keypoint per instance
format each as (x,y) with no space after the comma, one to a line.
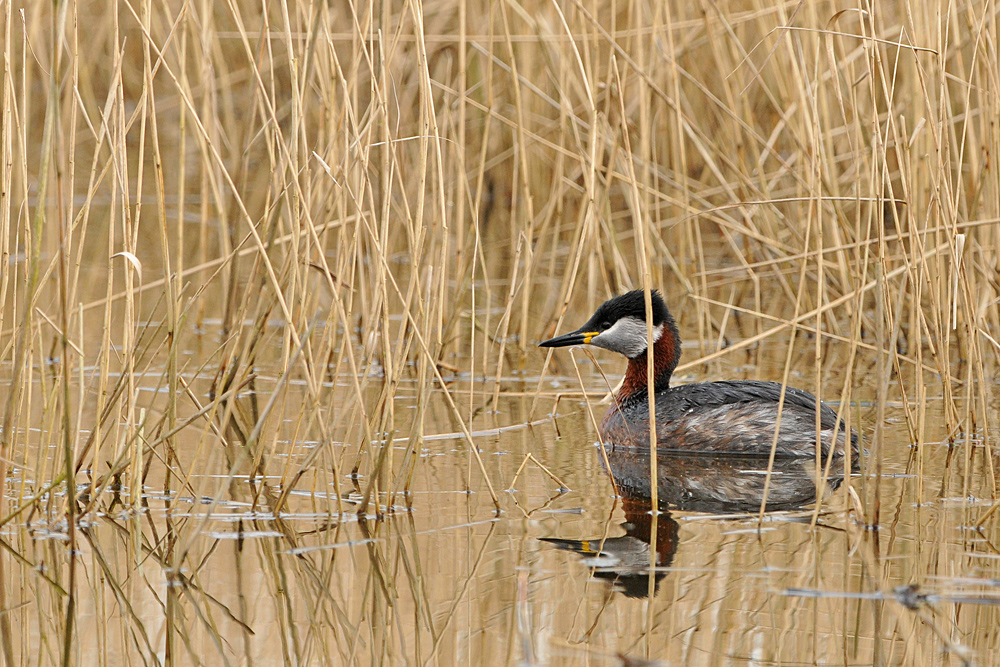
(729,417)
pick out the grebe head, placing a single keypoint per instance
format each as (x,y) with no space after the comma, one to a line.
(619,325)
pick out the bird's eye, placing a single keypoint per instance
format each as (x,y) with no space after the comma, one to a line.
(605,325)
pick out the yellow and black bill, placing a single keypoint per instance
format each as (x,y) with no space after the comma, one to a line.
(578,337)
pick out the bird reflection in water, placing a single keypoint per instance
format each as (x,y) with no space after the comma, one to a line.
(689,483)
(624,561)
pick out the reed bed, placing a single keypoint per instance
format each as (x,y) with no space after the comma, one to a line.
(264,253)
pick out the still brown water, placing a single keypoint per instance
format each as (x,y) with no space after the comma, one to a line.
(559,577)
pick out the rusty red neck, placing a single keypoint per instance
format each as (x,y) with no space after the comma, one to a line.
(666,352)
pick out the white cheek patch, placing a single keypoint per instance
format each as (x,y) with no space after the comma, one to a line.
(627,336)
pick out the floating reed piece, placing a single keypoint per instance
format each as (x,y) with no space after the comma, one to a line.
(245,247)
